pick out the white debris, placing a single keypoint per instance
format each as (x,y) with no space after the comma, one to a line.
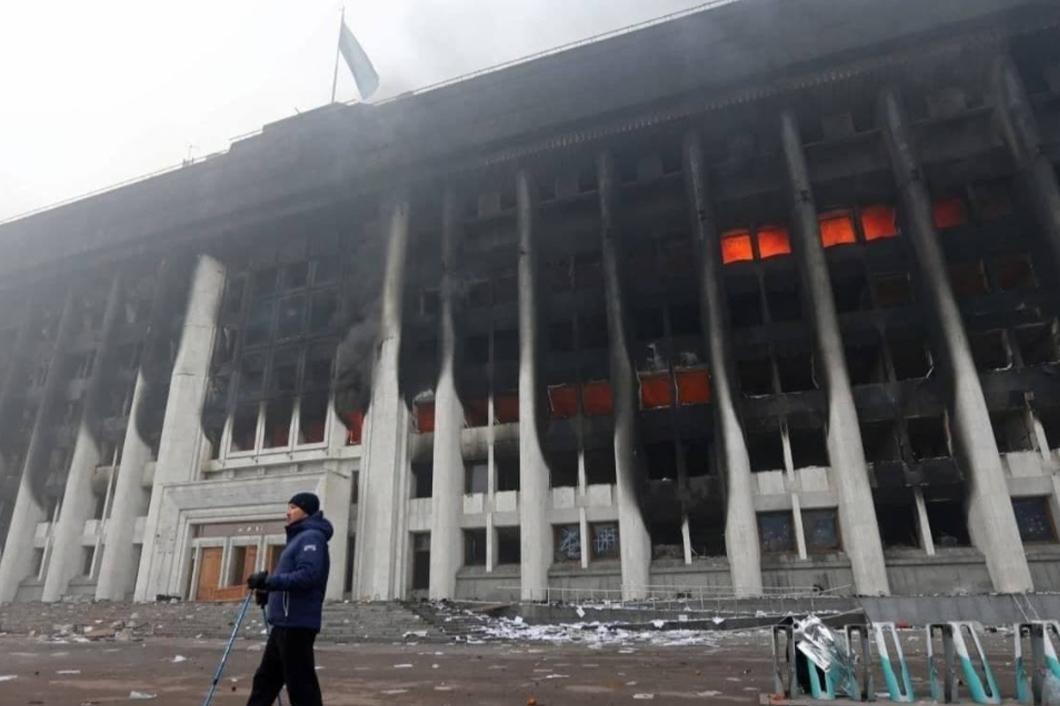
(394,692)
(415,633)
(8,677)
(558,676)
(177,659)
(69,671)
(580,611)
(643,697)
(141,695)
(518,620)
(402,666)
(658,624)
(717,620)
(709,692)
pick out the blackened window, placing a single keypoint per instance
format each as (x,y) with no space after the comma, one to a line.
(1034,520)
(508,550)
(822,530)
(474,547)
(776,532)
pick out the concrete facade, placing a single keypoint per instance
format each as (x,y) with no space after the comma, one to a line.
(695,324)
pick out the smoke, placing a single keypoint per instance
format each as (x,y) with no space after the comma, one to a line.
(168,309)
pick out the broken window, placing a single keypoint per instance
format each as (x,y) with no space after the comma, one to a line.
(927,438)
(796,372)
(1013,272)
(295,275)
(251,376)
(312,418)
(508,550)
(693,387)
(600,466)
(507,471)
(661,460)
(706,534)
(697,457)
(592,332)
(1034,520)
(561,337)
(766,448)
(865,363)
(284,377)
(880,441)
(475,547)
(477,349)
(684,320)
(782,299)
(990,349)
(1050,420)
(898,523)
(736,246)
(878,222)
(968,279)
(821,528)
(506,345)
(563,469)
(773,241)
(278,422)
(476,477)
(949,213)
(259,322)
(318,366)
(597,399)
(745,309)
(479,294)
(667,541)
(909,357)
(808,447)
(755,376)
(776,532)
(244,427)
(837,228)
(588,272)
(1011,430)
(649,324)
(603,540)
(1037,344)
(949,523)
(568,543)
(892,290)
(850,290)
(422,479)
(656,391)
(322,309)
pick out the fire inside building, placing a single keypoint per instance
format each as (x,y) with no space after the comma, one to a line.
(757,299)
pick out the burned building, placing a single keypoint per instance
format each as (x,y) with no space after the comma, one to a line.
(761,298)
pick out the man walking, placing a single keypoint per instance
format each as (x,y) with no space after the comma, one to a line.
(295,595)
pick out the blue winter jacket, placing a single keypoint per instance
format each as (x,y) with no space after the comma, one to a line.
(296,585)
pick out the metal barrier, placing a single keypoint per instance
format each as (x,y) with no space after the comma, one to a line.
(1031,678)
(976,673)
(895,671)
(784,660)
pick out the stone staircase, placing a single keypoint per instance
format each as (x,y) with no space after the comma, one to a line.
(104,620)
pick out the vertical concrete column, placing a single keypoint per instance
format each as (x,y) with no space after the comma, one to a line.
(17,561)
(634,539)
(991,519)
(178,449)
(447,493)
(849,473)
(380,519)
(78,500)
(741,525)
(535,535)
(117,568)
(1020,129)
(334,490)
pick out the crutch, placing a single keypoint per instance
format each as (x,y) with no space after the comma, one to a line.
(228,649)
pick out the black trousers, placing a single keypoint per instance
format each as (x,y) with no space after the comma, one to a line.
(288,659)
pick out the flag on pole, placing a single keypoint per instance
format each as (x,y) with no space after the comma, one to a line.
(360,65)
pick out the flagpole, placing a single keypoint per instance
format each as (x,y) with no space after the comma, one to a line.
(335,77)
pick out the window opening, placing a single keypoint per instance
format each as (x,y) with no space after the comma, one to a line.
(1034,520)
(476,477)
(949,524)
(822,530)
(897,520)
(776,532)
(600,466)
(422,479)
(604,540)
(927,438)
(808,447)
(667,541)
(475,547)
(568,543)
(766,449)
(508,549)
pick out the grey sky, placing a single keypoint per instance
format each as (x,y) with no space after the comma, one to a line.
(93,93)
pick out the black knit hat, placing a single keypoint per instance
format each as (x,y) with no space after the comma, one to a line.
(309,502)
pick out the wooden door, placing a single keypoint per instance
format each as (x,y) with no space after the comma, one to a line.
(209,573)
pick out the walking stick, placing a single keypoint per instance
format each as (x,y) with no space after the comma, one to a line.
(228,649)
